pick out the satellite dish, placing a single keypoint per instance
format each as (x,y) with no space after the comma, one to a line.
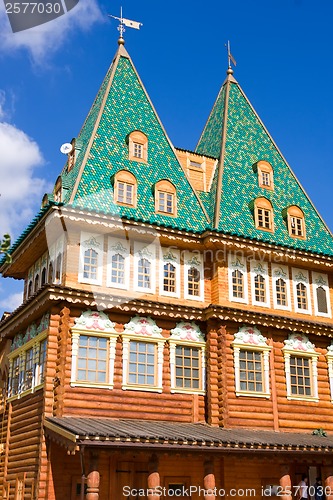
(66,148)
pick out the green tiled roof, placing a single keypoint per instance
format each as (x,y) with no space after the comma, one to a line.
(247,142)
(125,107)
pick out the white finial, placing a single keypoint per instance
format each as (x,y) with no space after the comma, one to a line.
(125,22)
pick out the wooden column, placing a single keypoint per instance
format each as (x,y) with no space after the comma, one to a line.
(153,478)
(209,479)
(93,480)
(328,486)
(285,483)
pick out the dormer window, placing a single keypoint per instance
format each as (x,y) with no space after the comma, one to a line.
(165,198)
(265,174)
(295,221)
(138,146)
(57,190)
(263,214)
(125,188)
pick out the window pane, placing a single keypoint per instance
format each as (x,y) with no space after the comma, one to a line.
(141,370)
(187,363)
(92,358)
(251,370)
(300,379)
(193,282)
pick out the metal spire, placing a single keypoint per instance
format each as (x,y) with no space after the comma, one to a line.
(124,22)
(230,59)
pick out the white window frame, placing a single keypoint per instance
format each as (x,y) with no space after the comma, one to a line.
(118,246)
(187,334)
(195,260)
(261,269)
(20,352)
(143,330)
(301,276)
(238,263)
(145,251)
(95,242)
(94,324)
(249,338)
(281,272)
(169,256)
(299,345)
(321,280)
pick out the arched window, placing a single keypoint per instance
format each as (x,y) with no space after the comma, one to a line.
(30,288)
(58,269)
(144,273)
(125,188)
(301,296)
(265,174)
(259,288)
(57,190)
(43,280)
(165,198)
(263,214)
(90,264)
(138,146)
(169,278)
(50,273)
(281,292)
(36,283)
(296,223)
(237,284)
(321,300)
(193,281)
(117,269)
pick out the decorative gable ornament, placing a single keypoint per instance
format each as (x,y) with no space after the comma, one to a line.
(237,264)
(299,342)
(187,331)
(280,273)
(320,281)
(259,269)
(143,326)
(119,248)
(91,242)
(145,253)
(194,262)
(301,278)
(169,256)
(250,335)
(94,321)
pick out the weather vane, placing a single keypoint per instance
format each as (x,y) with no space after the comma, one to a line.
(230,57)
(125,22)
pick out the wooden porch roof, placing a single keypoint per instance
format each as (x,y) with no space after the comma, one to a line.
(73,432)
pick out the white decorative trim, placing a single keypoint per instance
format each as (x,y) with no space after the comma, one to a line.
(187,333)
(172,256)
(94,242)
(301,276)
(299,345)
(320,280)
(281,272)
(249,338)
(195,260)
(94,320)
(121,247)
(143,330)
(145,251)
(237,263)
(261,269)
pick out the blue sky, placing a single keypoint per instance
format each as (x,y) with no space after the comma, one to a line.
(50,75)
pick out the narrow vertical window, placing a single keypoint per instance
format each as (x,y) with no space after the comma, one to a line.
(187,365)
(300,376)
(50,273)
(301,295)
(58,269)
(41,361)
(281,292)
(118,269)
(137,150)
(90,264)
(263,214)
(321,300)
(193,282)
(295,222)
(265,174)
(251,370)
(43,280)
(169,278)
(259,288)
(144,273)
(28,369)
(165,198)
(15,378)
(36,285)
(237,284)
(137,146)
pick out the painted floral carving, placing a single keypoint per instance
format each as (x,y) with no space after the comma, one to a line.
(250,335)
(94,320)
(187,331)
(143,326)
(299,342)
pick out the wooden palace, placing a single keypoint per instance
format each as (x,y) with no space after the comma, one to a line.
(175,335)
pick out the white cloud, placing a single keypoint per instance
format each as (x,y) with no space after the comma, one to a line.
(19,186)
(2,104)
(11,302)
(44,40)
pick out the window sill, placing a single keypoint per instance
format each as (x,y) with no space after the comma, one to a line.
(91,385)
(187,391)
(126,387)
(308,399)
(253,394)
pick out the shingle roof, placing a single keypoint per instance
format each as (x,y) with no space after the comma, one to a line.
(246,142)
(198,435)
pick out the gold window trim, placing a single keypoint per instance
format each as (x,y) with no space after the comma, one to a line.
(295,211)
(265,167)
(165,187)
(263,204)
(128,179)
(138,137)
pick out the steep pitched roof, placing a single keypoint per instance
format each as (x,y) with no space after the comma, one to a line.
(122,106)
(235,134)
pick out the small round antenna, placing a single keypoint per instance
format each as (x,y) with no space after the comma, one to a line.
(66,148)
